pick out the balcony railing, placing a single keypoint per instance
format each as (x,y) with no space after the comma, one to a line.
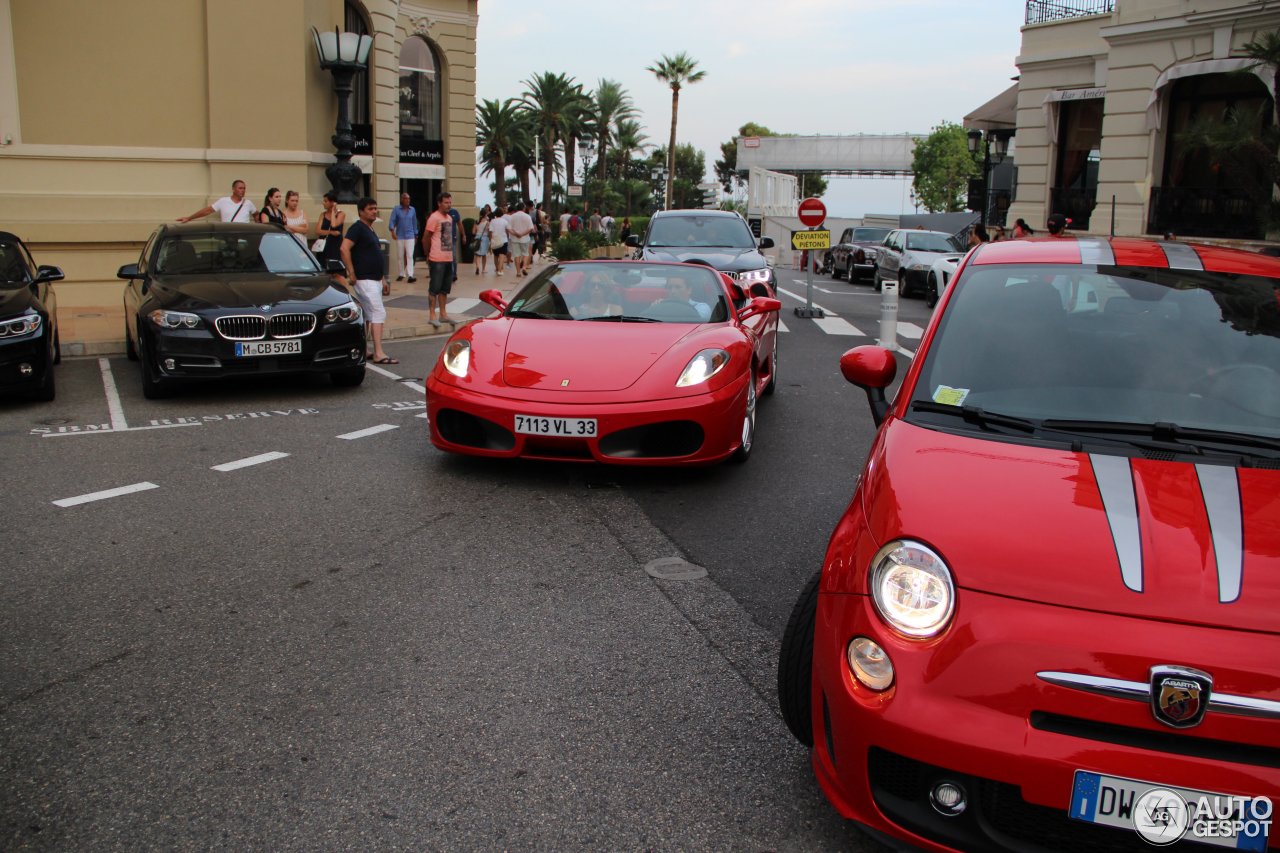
(1042,11)
(1192,212)
(1076,205)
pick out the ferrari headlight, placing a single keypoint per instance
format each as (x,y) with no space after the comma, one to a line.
(702,367)
(174,319)
(347,312)
(754,275)
(16,326)
(912,589)
(457,357)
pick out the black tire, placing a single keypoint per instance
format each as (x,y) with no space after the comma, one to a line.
(834,270)
(153,387)
(795,664)
(875,280)
(743,453)
(904,289)
(46,390)
(773,368)
(57,348)
(349,378)
(931,296)
(129,349)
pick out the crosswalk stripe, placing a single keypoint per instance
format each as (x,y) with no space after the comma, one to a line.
(910,330)
(837,326)
(782,327)
(461,305)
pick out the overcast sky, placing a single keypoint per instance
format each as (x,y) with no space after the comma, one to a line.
(804,66)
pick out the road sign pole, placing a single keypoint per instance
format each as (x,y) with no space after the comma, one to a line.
(812,213)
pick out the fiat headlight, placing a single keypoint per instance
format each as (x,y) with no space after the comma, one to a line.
(754,275)
(174,319)
(17,326)
(912,589)
(347,312)
(457,357)
(702,367)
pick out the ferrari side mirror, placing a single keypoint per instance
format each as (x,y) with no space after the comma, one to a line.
(494,299)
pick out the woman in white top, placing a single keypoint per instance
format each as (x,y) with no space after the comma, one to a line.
(498,237)
(294,219)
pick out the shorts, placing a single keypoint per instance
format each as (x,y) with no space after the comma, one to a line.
(519,248)
(499,250)
(441,281)
(369,295)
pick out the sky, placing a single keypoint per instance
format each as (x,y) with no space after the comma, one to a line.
(806,67)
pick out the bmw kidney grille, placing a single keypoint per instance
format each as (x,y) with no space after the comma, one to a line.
(251,327)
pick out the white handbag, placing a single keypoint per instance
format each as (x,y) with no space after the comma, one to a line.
(318,245)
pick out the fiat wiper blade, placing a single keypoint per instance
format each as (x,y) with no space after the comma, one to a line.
(1204,439)
(977,416)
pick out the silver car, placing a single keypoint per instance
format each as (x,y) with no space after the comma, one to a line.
(906,257)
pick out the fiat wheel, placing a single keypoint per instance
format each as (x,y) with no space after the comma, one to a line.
(795,664)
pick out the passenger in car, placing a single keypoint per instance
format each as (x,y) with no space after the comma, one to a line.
(600,299)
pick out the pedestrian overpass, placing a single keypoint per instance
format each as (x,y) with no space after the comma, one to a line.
(867,155)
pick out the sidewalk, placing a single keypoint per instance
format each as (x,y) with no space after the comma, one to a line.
(98,329)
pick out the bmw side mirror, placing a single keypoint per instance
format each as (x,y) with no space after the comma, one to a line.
(766,242)
(49,273)
(128,272)
(872,369)
(333,266)
(494,299)
(633,241)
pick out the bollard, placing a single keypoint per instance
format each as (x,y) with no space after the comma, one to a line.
(889,316)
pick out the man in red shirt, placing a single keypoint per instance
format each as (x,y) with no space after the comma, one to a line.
(438,239)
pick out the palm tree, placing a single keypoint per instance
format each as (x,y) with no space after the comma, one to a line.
(580,125)
(499,129)
(628,139)
(611,105)
(550,100)
(675,71)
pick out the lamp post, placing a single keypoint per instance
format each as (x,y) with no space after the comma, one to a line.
(586,150)
(659,175)
(343,55)
(989,141)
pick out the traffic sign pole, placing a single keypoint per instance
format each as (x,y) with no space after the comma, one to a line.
(812,213)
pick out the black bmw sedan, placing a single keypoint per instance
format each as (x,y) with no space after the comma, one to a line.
(228,299)
(28,321)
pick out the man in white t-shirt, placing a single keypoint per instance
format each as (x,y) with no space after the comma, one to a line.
(231,208)
(606,224)
(521,230)
(498,237)
(564,223)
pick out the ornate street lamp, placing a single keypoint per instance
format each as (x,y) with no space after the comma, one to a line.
(992,143)
(659,175)
(343,55)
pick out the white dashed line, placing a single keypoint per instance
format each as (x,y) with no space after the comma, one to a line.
(113,396)
(252,460)
(365,433)
(837,326)
(382,371)
(102,496)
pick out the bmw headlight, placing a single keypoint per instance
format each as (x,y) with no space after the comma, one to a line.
(702,367)
(912,589)
(17,326)
(457,357)
(347,312)
(754,275)
(174,319)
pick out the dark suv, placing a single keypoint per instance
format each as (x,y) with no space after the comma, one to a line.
(717,238)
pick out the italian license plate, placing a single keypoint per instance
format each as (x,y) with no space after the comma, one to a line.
(251,348)
(1163,814)
(559,427)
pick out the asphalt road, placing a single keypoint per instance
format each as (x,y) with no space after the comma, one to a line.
(270,615)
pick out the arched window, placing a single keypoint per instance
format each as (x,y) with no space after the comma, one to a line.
(354,22)
(419,90)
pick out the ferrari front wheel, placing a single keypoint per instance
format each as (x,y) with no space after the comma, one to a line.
(795,664)
(743,453)
(773,367)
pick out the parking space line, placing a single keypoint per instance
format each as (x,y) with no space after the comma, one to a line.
(365,433)
(382,371)
(415,386)
(113,396)
(251,460)
(423,415)
(103,495)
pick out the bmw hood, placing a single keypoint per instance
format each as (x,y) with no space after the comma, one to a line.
(16,300)
(555,355)
(724,259)
(1174,541)
(193,293)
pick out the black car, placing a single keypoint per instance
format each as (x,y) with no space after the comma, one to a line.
(28,321)
(228,299)
(718,238)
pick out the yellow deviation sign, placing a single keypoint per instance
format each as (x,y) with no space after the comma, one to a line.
(805,240)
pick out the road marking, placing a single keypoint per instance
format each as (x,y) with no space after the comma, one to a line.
(910,330)
(110,431)
(383,371)
(365,433)
(782,327)
(102,496)
(461,305)
(423,415)
(416,386)
(837,326)
(113,396)
(802,300)
(251,460)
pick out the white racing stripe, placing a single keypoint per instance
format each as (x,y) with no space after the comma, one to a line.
(837,326)
(251,460)
(365,433)
(113,396)
(103,495)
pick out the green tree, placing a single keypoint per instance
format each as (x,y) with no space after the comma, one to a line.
(943,166)
(551,101)
(580,124)
(611,106)
(731,177)
(500,130)
(690,169)
(676,71)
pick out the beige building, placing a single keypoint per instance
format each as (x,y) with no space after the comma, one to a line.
(117,116)
(1106,89)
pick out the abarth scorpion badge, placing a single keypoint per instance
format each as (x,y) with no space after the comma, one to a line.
(1180,695)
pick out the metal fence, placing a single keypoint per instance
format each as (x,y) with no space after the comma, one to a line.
(1042,11)
(1194,212)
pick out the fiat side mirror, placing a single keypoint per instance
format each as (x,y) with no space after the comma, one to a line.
(494,299)
(872,369)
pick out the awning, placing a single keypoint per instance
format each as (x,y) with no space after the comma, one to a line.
(999,113)
(1155,104)
(1059,96)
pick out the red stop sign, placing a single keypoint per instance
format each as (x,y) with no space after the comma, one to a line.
(812,212)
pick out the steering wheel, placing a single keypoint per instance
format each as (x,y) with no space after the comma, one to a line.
(674,311)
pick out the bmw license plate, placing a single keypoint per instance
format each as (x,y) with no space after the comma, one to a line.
(250,348)
(558,427)
(1163,814)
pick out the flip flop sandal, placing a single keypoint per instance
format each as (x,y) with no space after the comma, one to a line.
(386,360)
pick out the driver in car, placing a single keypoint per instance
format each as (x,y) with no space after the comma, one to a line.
(678,290)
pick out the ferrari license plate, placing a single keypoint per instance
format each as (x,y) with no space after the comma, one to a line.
(1163,814)
(251,348)
(558,427)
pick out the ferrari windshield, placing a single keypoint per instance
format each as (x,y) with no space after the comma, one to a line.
(700,231)
(928,241)
(1110,345)
(234,251)
(622,292)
